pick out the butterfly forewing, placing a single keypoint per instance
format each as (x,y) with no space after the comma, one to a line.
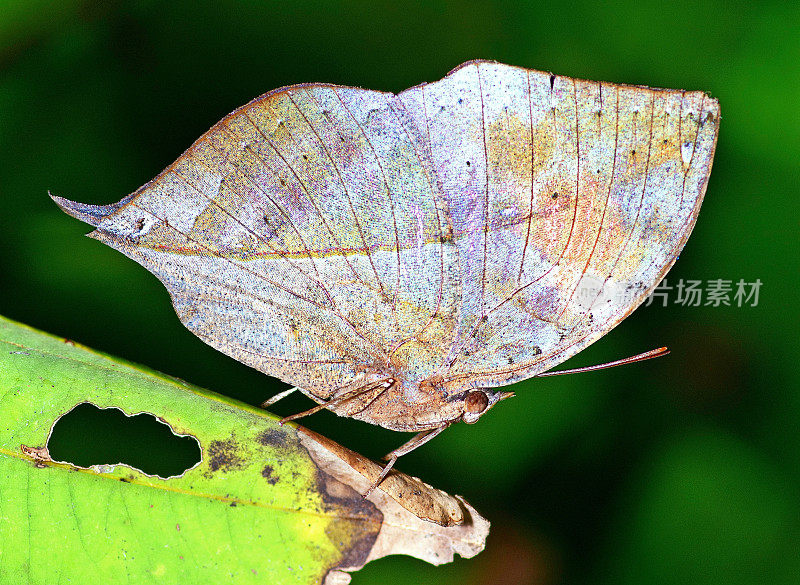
(569,199)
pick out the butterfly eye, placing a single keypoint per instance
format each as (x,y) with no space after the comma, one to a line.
(476,402)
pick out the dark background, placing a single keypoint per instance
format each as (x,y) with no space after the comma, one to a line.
(679,470)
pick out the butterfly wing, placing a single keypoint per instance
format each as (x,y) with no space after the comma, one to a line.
(302,235)
(484,227)
(569,201)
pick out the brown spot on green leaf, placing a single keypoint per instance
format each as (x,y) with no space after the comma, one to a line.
(227,455)
(268,473)
(274,438)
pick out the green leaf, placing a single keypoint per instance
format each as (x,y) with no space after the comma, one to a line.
(265,504)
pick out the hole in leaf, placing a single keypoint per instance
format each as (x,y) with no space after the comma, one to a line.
(88,435)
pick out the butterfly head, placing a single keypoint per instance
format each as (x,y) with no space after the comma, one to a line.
(479,400)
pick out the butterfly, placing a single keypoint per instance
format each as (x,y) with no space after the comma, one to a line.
(401,258)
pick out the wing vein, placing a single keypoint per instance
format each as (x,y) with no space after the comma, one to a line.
(327,293)
(308,195)
(280,254)
(439,230)
(530,205)
(328,153)
(485,195)
(391,203)
(222,257)
(602,215)
(305,190)
(608,194)
(275,203)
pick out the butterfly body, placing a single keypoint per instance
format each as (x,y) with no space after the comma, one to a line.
(401,405)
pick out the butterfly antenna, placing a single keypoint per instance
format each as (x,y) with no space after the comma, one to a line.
(653,353)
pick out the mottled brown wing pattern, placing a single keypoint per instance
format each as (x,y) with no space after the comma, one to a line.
(479,229)
(569,202)
(291,236)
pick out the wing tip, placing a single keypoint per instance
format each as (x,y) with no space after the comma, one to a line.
(91,214)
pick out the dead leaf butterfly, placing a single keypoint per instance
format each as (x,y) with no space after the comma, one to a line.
(398,258)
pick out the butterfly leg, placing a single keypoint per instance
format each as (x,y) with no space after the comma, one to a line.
(416,441)
(279,396)
(338,401)
(317,408)
(335,402)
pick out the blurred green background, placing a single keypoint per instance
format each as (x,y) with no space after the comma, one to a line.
(680,470)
